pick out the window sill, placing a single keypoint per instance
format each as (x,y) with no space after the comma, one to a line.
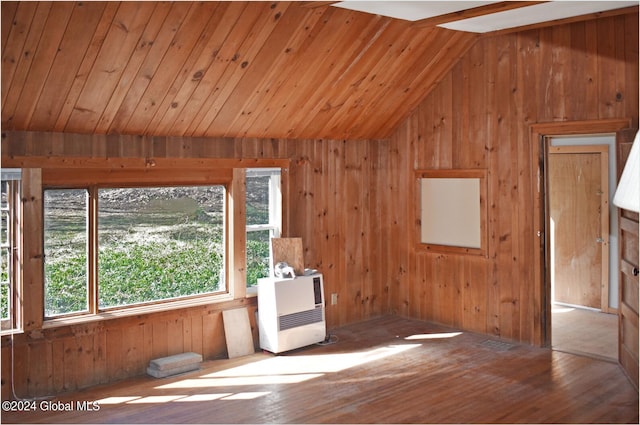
(9,332)
(135,311)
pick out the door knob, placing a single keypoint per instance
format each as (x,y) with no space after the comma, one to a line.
(599,240)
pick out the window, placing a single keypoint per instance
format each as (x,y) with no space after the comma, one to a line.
(65,252)
(9,246)
(264,220)
(110,248)
(159,243)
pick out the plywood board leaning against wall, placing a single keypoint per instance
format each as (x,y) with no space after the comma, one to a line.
(288,250)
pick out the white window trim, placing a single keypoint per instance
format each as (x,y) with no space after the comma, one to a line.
(275,210)
(13,323)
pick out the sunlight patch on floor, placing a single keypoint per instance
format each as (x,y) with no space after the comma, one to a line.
(310,364)
(283,369)
(117,400)
(433,336)
(204,397)
(558,309)
(241,380)
(247,395)
(156,399)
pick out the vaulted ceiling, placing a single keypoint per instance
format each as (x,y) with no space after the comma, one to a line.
(214,69)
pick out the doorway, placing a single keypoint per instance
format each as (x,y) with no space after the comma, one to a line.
(583,286)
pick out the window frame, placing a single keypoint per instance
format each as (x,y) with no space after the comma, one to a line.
(275,209)
(40,172)
(225,236)
(92,180)
(13,179)
(89,282)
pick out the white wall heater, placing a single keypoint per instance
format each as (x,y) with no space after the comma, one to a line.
(291,312)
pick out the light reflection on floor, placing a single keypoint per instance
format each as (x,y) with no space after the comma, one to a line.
(275,370)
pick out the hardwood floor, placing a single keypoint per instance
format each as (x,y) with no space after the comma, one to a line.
(585,332)
(387,370)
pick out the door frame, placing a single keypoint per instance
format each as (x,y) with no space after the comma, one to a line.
(603,150)
(537,135)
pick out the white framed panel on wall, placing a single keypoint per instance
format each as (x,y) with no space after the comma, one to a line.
(452,211)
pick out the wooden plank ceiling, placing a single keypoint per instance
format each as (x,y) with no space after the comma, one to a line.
(215,69)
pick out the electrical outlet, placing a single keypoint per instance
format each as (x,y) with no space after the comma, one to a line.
(334,299)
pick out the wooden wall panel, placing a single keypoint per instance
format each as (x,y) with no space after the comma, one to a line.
(479,116)
(335,205)
(353,202)
(54,360)
(32,249)
(340,222)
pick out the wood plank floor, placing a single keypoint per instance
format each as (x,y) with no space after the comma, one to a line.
(586,332)
(387,370)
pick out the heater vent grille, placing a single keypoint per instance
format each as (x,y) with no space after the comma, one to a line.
(301,318)
(496,345)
